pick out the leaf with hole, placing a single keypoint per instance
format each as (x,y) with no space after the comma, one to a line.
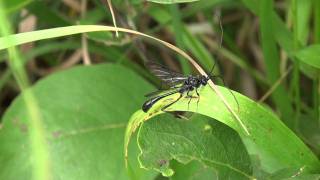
(214,145)
(270,140)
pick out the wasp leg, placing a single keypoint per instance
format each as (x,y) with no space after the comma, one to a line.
(198,98)
(190,97)
(189,102)
(168,105)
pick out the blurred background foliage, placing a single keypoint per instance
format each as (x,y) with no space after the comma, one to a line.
(264,44)
(266,50)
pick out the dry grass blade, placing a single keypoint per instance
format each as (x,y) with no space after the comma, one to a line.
(275,85)
(112,15)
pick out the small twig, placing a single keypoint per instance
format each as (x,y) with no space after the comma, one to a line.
(275,85)
(200,28)
(84,41)
(29,23)
(113,16)
(243,35)
(85,54)
(72,60)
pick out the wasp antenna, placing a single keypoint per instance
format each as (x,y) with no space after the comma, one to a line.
(211,71)
(218,17)
(221,29)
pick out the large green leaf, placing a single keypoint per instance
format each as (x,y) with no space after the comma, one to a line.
(303,20)
(84,112)
(310,55)
(217,147)
(275,146)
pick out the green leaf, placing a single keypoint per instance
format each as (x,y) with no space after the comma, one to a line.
(303,20)
(280,31)
(310,55)
(270,140)
(206,5)
(218,147)
(310,131)
(84,112)
(14,5)
(316,21)
(171,1)
(283,36)
(305,177)
(272,62)
(193,170)
(293,174)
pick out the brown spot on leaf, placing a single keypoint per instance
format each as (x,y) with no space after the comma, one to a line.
(56,134)
(15,121)
(162,162)
(22,126)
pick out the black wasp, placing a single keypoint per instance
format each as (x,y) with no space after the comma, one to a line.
(177,82)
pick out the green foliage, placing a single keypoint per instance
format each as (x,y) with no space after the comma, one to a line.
(72,124)
(293,174)
(14,5)
(159,144)
(310,55)
(272,60)
(84,124)
(267,134)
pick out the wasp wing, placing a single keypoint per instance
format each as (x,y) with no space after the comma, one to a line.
(160,92)
(170,77)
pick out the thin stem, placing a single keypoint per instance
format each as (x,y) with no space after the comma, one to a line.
(275,85)
(296,67)
(316,82)
(113,16)
(84,41)
(39,149)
